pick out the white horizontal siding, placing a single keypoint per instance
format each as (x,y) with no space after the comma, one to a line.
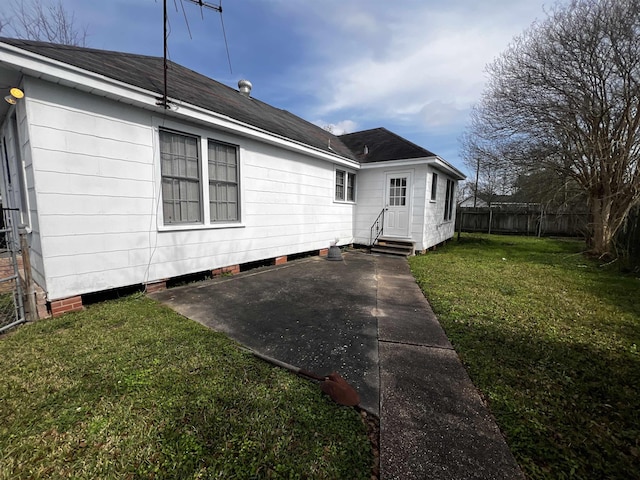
(419,206)
(74,163)
(93,204)
(427,225)
(436,229)
(19,163)
(370,189)
(98,187)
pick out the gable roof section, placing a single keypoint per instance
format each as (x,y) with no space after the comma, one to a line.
(147,72)
(382,145)
(385,146)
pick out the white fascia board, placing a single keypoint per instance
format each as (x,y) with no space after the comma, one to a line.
(446,167)
(207,117)
(38,66)
(396,163)
(434,161)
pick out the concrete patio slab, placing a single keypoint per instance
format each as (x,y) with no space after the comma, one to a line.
(365,317)
(311,313)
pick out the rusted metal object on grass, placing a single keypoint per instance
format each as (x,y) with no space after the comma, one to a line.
(332,384)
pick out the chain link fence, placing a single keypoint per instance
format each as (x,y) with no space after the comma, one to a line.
(11,306)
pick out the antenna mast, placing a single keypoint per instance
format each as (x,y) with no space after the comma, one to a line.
(164,31)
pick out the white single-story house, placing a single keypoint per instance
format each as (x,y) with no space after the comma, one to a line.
(116,190)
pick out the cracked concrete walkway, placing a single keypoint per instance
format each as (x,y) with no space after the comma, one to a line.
(433,424)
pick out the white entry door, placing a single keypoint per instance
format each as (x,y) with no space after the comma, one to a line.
(398,204)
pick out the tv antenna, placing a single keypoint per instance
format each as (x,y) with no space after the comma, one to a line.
(202,4)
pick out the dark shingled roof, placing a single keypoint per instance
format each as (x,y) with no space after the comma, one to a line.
(382,145)
(188,86)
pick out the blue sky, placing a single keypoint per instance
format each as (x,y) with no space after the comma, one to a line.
(414,67)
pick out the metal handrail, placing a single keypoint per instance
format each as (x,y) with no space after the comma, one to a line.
(377,227)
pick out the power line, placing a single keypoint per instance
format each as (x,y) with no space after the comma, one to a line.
(186,21)
(217,8)
(224,34)
(202,4)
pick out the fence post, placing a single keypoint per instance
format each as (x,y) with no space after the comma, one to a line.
(490,219)
(541,220)
(31,313)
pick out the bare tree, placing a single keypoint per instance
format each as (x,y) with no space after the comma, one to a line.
(565,96)
(493,176)
(42,20)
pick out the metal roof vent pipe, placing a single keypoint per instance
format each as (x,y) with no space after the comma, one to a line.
(335,254)
(244,86)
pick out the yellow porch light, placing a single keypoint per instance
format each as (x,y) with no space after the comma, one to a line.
(16,93)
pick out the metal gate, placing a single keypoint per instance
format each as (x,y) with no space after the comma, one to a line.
(11,289)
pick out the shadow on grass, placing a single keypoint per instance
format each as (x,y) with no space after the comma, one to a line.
(569,410)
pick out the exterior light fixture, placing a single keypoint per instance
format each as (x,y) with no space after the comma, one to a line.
(15,94)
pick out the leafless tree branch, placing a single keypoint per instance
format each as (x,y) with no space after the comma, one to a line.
(42,20)
(565,97)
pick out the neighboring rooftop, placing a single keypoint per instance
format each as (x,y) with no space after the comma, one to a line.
(188,86)
(379,145)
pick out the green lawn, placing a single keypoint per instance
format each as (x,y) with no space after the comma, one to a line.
(552,341)
(129,389)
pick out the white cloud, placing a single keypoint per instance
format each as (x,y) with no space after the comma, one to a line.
(337,128)
(410,61)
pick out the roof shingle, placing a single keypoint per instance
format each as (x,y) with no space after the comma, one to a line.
(147,72)
(382,145)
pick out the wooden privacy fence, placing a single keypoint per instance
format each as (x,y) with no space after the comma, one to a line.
(521,221)
(628,240)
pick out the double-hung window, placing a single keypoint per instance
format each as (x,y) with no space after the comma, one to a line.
(345,186)
(223,182)
(180,169)
(195,171)
(448,200)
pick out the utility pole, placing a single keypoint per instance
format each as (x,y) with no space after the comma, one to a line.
(475,189)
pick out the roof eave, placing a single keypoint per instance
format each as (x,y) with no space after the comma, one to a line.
(446,167)
(435,161)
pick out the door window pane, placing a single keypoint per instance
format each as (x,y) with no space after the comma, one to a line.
(398,191)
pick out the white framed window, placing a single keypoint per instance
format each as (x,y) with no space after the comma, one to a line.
(224,205)
(448,200)
(345,186)
(180,170)
(200,178)
(434,186)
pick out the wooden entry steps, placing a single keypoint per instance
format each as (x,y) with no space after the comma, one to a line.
(393,246)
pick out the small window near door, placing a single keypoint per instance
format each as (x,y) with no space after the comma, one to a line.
(448,201)
(345,186)
(434,187)
(398,192)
